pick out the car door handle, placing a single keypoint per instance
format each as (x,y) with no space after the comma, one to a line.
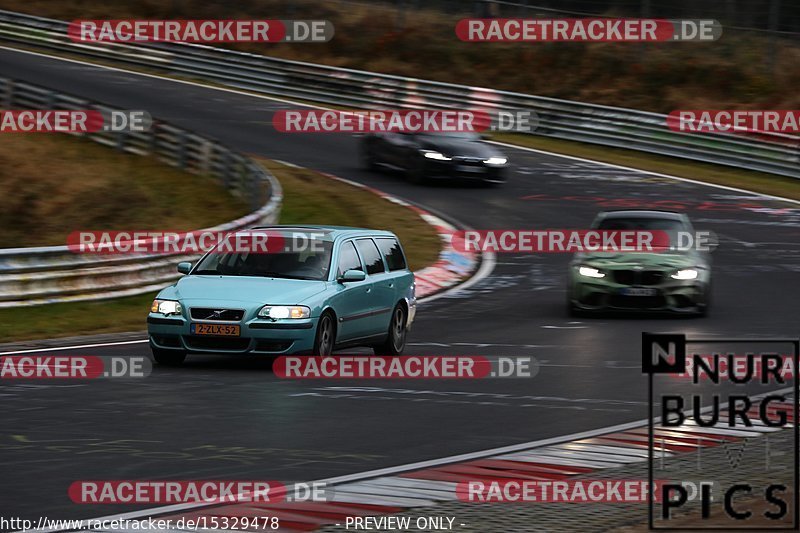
(369,289)
(391,285)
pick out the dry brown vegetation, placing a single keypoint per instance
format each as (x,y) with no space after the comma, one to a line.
(732,72)
(53,185)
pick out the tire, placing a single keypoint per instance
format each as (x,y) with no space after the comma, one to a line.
(706,307)
(168,357)
(416,172)
(325,339)
(703,304)
(368,160)
(571,310)
(574,312)
(396,336)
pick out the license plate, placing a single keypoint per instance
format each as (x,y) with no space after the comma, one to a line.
(220,330)
(468,168)
(638,291)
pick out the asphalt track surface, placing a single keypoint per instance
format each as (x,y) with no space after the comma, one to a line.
(230,418)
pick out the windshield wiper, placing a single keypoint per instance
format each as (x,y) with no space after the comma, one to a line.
(284,276)
(208,273)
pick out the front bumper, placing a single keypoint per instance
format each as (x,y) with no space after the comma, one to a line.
(257,336)
(672,297)
(477,171)
(411,304)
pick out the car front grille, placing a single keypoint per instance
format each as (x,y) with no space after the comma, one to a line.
(638,277)
(593,299)
(210,313)
(636,302)
(468,161)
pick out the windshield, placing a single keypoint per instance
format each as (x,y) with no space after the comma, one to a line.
(453,135)
(670,226)
(311,263)
(643,224)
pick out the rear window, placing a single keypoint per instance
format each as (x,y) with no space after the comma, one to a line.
(392,253)
(371,255)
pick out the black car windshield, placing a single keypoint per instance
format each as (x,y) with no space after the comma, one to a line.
(453,135)
(310,263)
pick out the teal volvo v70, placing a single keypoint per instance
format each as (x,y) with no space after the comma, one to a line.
(321,288)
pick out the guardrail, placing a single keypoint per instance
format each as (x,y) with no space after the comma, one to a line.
(40,275)
(603,125)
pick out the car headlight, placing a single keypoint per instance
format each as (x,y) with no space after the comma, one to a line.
(496,161)
(276,312)
(685,274)
(166,307)
(438,156)
(590,272)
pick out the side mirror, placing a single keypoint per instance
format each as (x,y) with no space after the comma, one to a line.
(184,267)
(352,275)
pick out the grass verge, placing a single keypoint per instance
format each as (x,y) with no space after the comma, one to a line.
(52,184)
(309,198)
(74,318)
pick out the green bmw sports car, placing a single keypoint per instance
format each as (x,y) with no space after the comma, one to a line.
(673,280)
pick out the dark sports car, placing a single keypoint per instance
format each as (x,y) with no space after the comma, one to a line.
(423,156)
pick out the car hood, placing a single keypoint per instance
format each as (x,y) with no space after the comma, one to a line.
(244,289)
(456,147)
(629,260)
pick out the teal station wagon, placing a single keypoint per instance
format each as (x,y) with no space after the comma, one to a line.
(326,288)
